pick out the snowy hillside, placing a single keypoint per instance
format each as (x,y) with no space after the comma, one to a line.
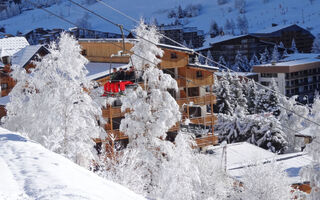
(28,171)
(260,14)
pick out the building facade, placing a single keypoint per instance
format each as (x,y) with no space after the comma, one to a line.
(298,77)
(192,96)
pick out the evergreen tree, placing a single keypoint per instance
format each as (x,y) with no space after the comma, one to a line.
(223,93)
(254,60)
(250,92)
(214,29)
(241,63)
(294,47)
(222,61)
(268,100)
(275,54)
(316,44)
(242,24)
(264,57)
(190,45)
(52,106)
(263,131)
(209,60)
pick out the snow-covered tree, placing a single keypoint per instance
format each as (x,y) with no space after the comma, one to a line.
(291,121)
(223,93)
(190,45)
(275,54)
(242,24)
(250,91)
(266,181)
(153,112)
(214,29)
(222,61)
(264,57)
(209,58)
(316,44)
(263,131)
(312,173)
(268,100)
(294,46)
(254,60)
(240,5)
(241,63)
(51,106)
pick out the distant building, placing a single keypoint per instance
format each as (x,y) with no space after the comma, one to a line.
(285,34)
(299,76)
(191,36)
(228,46)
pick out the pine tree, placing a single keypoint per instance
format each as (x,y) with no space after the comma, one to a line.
(268,100)
(223,92)
(242,24)
(201,59)
(294,47)
(275,54)
(209,60)
(254,60)
(214,29)
(222,61)
(52,106)
(241,63)
(262,131)
(316,44)
(264,57)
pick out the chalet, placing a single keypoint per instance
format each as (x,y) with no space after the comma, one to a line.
(192,79)
(297,75)
(228,46)
(285,34)
(16,51)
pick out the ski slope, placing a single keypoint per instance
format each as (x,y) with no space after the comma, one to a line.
(260,15)
(28,171)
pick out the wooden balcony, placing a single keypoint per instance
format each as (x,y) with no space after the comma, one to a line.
(198,100)
(112,112)
(207,140)
(209,119)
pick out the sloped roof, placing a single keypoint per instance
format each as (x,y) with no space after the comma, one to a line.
(99,70)
(13,44)
(23,56)
(274,29)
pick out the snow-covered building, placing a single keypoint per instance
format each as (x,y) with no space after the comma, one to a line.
(9,46)
(286,34)
(228,46)
(192,79)
(22,57)
(296,75)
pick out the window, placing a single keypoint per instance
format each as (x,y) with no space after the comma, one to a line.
(269,75)
(6,60)
(265,83)
(199,74)
(193,92)
(4,86)
(173,55)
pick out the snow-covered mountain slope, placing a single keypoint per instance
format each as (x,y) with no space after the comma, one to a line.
(260,15)
(28,171)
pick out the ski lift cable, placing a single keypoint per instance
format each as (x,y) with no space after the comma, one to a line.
(199,54)
(46,10)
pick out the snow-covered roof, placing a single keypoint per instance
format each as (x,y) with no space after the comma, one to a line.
(106,40)
(99,70)
(243,74)
(23,56)
(170,27)
(292,163)
(37,173)
(4,100)
(273,29)
(291,63)
(199,65)
(242,153)
(211,41)
(299,56)
(12,45)
(308,132)
(184,49)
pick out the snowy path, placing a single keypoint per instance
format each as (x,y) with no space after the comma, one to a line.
(29,171)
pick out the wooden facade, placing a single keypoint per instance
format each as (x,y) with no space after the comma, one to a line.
(193,82)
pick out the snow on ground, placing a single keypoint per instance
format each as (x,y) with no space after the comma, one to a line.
(28,171)
(260,15)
